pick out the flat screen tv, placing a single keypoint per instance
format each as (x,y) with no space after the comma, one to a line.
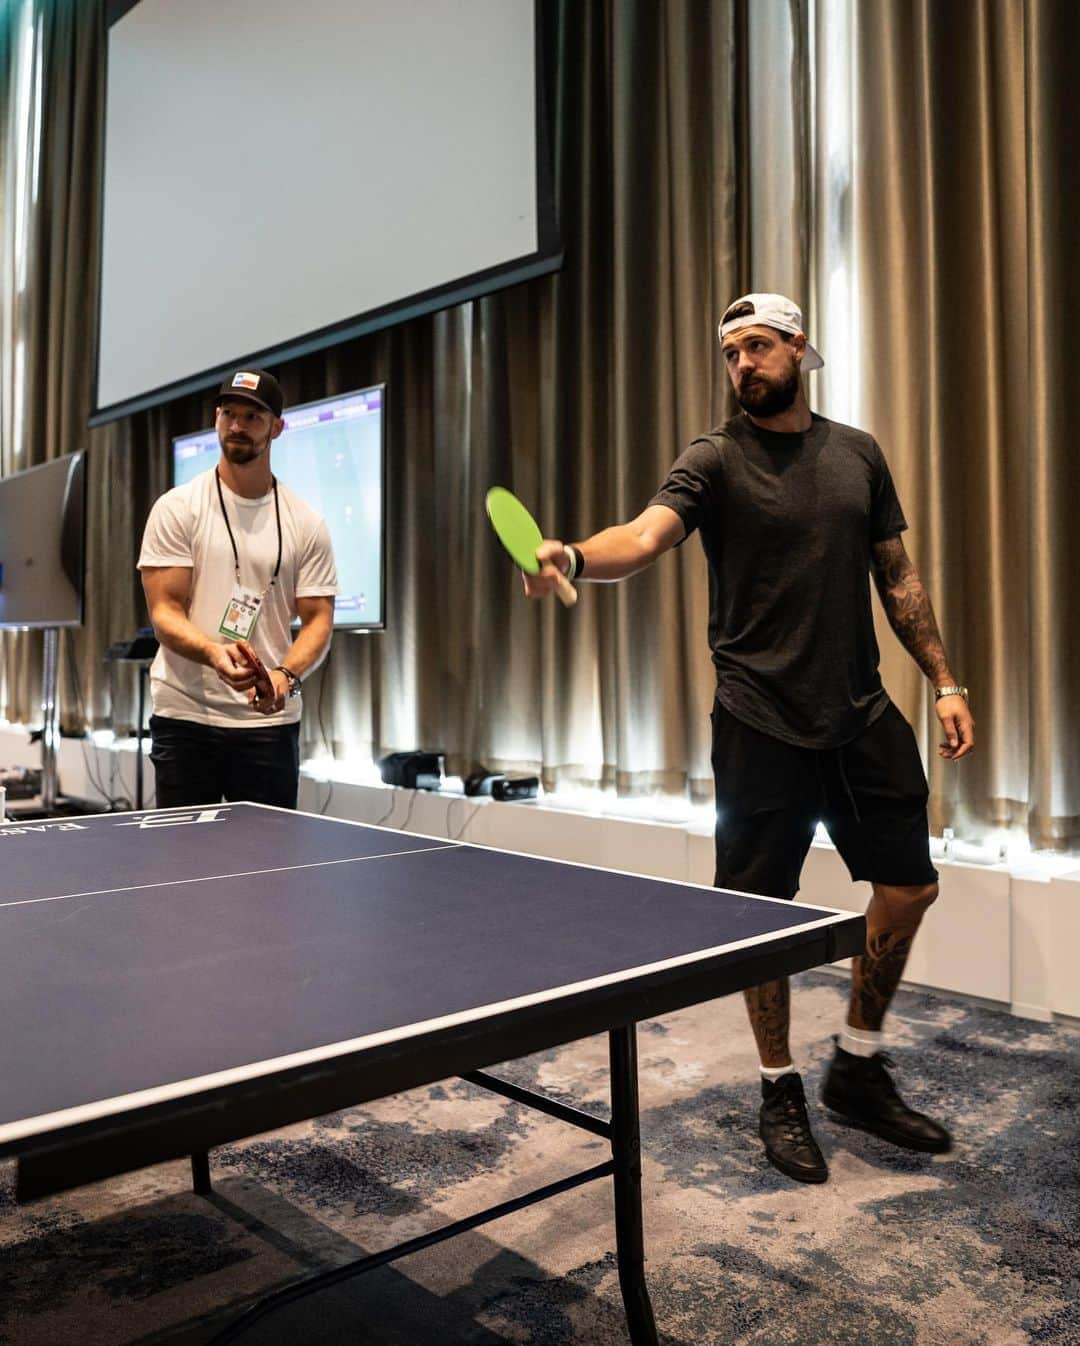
(42,544)
(333,454)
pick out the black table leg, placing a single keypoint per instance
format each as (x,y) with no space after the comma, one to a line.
(626,1152)
(200,1174)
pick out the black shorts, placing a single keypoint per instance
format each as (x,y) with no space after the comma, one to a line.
(770,795)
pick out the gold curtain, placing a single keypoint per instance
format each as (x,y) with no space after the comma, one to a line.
(576,390)
(1052,44)
(50,250)
(967,280)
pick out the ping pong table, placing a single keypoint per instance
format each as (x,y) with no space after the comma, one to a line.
(175,980)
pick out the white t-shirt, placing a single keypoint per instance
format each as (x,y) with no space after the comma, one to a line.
(186,528)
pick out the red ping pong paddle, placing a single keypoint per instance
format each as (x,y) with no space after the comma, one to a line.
(264,684)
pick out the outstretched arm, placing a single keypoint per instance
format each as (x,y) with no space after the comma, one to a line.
(911,615)
(613,553)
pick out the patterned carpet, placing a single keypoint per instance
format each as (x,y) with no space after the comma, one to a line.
(980,1247)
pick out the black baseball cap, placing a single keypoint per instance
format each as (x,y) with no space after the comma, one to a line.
(256,385)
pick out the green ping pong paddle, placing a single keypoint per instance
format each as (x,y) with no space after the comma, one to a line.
(520,535)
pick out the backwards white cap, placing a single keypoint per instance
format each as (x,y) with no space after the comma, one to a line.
(768,310)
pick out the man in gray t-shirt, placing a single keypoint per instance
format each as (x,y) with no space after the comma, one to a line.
(795,512)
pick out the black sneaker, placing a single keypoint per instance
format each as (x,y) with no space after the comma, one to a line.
(860,1091)
(785,1128)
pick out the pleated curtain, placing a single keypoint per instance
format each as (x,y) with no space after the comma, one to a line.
(579,389)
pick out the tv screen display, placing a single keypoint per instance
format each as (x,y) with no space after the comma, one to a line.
(42,540)
(332,453)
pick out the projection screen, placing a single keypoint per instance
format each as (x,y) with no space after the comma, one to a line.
(280,175)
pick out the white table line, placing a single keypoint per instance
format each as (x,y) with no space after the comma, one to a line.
(241,874)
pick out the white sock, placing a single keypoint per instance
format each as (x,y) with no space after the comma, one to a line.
(861,1041)
(772,1074)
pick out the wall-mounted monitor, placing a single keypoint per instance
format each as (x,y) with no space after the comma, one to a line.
(42,544)
(333,454)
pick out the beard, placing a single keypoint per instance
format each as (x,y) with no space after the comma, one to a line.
(768,397)
(241,451)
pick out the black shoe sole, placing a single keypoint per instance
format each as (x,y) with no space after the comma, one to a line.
(793,1171)
(897,1138)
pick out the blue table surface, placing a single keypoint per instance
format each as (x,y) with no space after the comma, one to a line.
(138,950)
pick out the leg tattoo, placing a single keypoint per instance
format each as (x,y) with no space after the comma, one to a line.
(892,919)
(769,1007)
(875,976)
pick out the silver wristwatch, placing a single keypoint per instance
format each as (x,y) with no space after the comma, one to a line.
(294,681)
(939,692)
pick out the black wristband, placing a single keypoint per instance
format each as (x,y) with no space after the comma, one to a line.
(293,679)
(579,560)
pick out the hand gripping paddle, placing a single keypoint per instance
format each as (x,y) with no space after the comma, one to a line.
(264,685)
(520,535)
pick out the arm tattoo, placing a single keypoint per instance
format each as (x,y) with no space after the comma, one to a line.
(907,606)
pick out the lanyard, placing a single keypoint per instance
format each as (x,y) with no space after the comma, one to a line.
(235,551)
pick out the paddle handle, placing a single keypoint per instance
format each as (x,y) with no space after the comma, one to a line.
(566,591)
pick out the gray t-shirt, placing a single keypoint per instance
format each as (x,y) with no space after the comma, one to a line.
(787,522)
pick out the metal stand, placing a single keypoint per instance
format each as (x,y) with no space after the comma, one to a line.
(200,1174)
(143,675)
(50,720)
(140,651)
(624,1167)
(626,1150)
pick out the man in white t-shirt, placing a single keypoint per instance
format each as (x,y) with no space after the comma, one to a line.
(229,561)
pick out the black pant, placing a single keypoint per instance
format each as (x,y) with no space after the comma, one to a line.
(203,764)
